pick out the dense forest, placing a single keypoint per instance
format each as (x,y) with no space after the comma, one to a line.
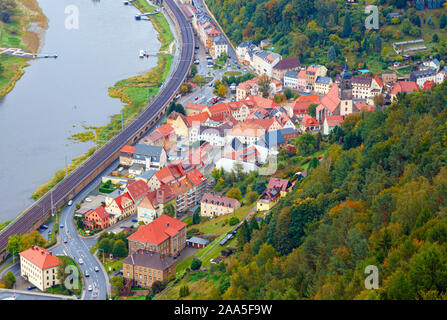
(328,31)
(378,197)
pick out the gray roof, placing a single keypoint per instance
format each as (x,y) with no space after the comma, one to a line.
(323,80)
(198,240)
(286,131)
(149,260)
(291,74)
(143,151)
(220,40)
(148,174)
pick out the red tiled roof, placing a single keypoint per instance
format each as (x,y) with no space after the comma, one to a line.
(379,81)
(277,183)
(137,189)
(333,121)
(308,121)
(330,100)
(120,200)
(196,106)
(100,211)
(404,86)
(301,104)
(198,118)
(158,230)
(165,130)
(128,149)
(361,106)
(261,102)
(41,258)
(196,177)
(428,85)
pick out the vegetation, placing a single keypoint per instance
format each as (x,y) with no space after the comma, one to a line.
(8,280)
(68,275)
(18,242)
(116,244)
(196,264)
(329,31)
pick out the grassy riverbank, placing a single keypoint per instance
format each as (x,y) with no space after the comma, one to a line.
(20,32)
(134,92)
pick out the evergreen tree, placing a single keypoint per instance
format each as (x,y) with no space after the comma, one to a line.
(347,26)
(443,21)
(332,55)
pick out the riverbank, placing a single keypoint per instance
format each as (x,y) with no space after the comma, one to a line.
(23,31)
(134,92)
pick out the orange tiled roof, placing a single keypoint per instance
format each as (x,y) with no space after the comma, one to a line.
(100,211)
(196,106)
(404,86)
(301,104)
(333,121)
(128,149)
(308,121)
(197,118)
(165,130)
(158,230)
(330,100)
(41,258)
(261,102)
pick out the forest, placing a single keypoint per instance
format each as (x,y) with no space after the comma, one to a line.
(378,197)
(329,31)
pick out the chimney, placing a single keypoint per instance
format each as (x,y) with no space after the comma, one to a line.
(50,253)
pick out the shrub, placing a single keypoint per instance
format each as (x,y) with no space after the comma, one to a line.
(234,221)
(184,291)
(196,264)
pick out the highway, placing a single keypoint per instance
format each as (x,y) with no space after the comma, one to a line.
(25,222)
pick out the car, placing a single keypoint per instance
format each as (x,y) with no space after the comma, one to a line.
(196,98)
(134,220)
(120,169)
(196,47)
(238,66)
(65,240)
(123,227)
(44,227)
(196,61)
(61,226)
(86,273)
(88,200)
(211,84)
(96,269)
(90,288)
(81,261)
(31,287)
(70,202)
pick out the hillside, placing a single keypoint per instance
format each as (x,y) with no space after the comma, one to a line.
(378,197)
(309,29)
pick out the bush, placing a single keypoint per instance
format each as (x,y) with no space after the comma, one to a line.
(234,221)
(196,264)
(184,291)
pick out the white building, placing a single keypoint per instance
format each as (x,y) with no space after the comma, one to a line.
(264,61)
(291,80)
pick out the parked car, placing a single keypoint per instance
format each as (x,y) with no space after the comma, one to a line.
(96,269)
(70,202)
(44,227)
(196,61)
(90,288)
(88,200)
(196,98)
(31,287)
(65,240)
(134,220)
(86,273)
(61,226)
(81,261)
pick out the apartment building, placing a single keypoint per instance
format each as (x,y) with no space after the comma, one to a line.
(214,206)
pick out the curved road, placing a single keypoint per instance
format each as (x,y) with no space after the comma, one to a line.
(24,223)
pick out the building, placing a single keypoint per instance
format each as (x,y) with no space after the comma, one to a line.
(330,122)
(39,267)
(283,66)
(218,47)
(276,189)
(309,124)
(151,157)
(300,106)
(144,267)
(164,235)
(197,242)
(403,87)
(389,78)
(153,203)
(291,79)
(121,207)
(245,52)
(322,85)
(214,206)
(361,87)
(312,73)
(97,219)
(264,61)
(421,76)
(126,155)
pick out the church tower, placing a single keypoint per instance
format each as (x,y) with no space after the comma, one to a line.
(345,92)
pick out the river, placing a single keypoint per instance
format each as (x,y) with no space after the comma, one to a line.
(56,96)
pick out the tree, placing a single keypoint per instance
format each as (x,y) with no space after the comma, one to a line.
(157,286)
(14,243)
(435,38)
(288,93)
(443,21)
(244,234)
(8,280)
(312,110)
(264,85)
(221,90)
(177,107)
(234,193)
(193,70)
(332,55)
(184,291)
(2,68)
(117,284)
(260,186)
(196,218)
(199,80)
(379,100)
(196,264)
(233,221)
(119,248)
(33,238)
(105,246)
(347,26)
(251,197)
(7,9)
(169,210)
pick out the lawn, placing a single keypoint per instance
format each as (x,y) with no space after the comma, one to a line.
(220,224)
(112,266)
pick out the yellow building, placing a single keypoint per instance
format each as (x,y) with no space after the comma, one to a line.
(39,267)
(214,206)
(276,189)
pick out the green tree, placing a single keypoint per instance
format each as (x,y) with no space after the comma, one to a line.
(184,291)
(14,243)
(332,55)
(199,80)
(193,70)
(7,10)
(8,280)
(312,110)
(435,38)
(196,264)
(196,218)
(105,246)
(251,197)
(117,284)
(119,248)
(443,21)
(169,210)
(233,221)
(347,26)
(234,193)
(264,85)
(221,90)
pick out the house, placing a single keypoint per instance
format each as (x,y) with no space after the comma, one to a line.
(403,87)
(389,78)
(153,203)
(309,124)
(283,66)
(301,80)
(214,206)
(330,122)
(179,123)
(215,136)
(197,242)
(361,87)
(166,175)
(265,43)
(300,106)
(423,75)
(144,267)
(218,47)
(164,235)
(121,207)
(219,112)
(152,157)
(291,79)
(264,61)
(155,138)
(432,64)
(312,73)
(276,189)
(192,108)
(245,51)
(126,155)
(137,190)
(97,219)
(289,134)
(39,267)
(322,85)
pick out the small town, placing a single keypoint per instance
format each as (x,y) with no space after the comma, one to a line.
(235,161)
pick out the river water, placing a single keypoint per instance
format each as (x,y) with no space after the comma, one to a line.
(56,96)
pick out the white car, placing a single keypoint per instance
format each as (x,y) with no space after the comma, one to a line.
(90,288)
(70,202)
(88,200)
(96,269)
(81,261)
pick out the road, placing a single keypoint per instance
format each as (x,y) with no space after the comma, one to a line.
(62,191)
(11,295)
